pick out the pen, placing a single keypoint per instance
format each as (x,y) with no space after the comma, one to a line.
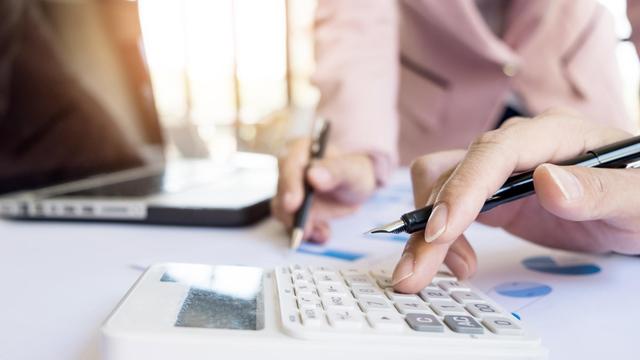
(316,151)
(621,154)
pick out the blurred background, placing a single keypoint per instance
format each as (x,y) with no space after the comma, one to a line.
(220,75)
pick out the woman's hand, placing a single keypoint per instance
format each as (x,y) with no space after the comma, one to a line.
(341,183)
(576,208)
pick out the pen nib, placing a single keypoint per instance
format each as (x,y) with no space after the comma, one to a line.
(296,238)
(395,227)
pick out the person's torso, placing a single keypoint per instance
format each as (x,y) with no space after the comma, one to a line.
(462,61)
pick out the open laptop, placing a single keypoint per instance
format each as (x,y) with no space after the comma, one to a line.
(187,192)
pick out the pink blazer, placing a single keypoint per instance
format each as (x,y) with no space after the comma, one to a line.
(401,79)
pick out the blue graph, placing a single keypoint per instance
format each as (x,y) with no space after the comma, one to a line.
(523,289)
(319,250)
(546,264)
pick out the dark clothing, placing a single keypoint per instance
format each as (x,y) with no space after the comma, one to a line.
(51,129)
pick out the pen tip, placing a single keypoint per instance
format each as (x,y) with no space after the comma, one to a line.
(296,238)
(394,227)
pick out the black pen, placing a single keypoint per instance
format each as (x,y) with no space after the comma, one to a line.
(621,154)
(316,151)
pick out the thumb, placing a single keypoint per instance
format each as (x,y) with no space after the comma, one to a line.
(353,173)
(581,194)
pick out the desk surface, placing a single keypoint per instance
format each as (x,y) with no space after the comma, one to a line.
(61,280)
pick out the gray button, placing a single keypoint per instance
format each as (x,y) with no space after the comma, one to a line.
(465,296)
(463,324)
(451,285)
(430,295)
(502,326)
(424,322)
(482,310)
(447,308)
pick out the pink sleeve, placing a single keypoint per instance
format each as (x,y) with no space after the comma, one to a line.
(356,72)
(633,14)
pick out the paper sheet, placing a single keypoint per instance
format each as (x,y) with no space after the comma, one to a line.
(61,280)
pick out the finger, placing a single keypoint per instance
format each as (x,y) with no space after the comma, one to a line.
(352,173)
(581,194)
(428,170)
(291,176)
(320,233)
(421,261)
(494,156)
(461,259)
(409,275)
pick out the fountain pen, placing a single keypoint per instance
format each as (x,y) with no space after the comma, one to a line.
(621,154)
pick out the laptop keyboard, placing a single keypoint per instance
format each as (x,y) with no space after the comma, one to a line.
(140,187)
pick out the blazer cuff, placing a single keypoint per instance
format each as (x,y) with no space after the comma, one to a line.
(383,166)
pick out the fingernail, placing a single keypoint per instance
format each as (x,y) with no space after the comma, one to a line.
(457,264)
(404,269)
(567,183)
(437,223)
(320,174)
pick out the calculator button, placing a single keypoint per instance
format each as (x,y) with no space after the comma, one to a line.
(327,277)
(338,301)
(286,288)
(465,296)
(312,317)
(451,285)
(368,304)
(424,322)
(447,308)
(332,289)
(502,326)
(301,275)
(295,267)
(482,310)
(288,302)
(463,324)
(347,272)
(384,282)
(444,275)
(306,301)
(387,321)
(381,273)
(353,280)
(430,295)
(350,319)
(432,286)
(304,287)
(291,318)
(364,290)
(400,296)
(315,269)
(407,306)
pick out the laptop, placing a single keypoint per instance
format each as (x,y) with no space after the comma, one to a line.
(186,192)
(194,192)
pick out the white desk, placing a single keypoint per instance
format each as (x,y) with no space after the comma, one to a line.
(60,281)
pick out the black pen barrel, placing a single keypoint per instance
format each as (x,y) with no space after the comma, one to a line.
(521,185)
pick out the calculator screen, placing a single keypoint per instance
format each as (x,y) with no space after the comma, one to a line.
(219,297)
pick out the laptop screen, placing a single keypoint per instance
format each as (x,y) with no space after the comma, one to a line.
(75,99)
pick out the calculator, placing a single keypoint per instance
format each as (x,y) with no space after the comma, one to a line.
(194,311)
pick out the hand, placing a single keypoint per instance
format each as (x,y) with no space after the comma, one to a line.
(576,208)
(341,182)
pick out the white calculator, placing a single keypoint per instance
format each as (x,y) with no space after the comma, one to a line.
(188,311)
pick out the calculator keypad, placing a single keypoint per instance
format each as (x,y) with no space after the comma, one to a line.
(357,299)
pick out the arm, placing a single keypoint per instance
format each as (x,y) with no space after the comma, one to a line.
(633,14)
(357,66)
